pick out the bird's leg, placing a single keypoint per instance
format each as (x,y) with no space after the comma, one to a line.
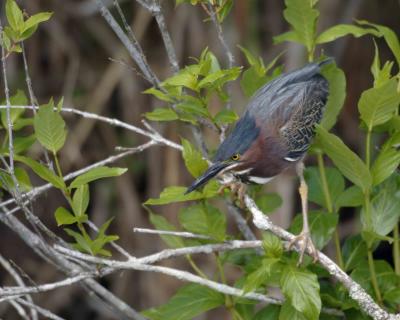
(303,240)
(238,189)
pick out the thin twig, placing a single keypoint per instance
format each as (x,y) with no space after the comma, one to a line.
(172,233)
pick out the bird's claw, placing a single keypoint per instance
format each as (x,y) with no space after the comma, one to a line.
(238,190)
(303,242)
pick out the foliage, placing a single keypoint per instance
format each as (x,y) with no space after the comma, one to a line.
(369,185)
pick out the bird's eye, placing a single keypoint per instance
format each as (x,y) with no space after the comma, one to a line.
(235,157)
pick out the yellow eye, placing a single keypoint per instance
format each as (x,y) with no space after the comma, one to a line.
(235,157)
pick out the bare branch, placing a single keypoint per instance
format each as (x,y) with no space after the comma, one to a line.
(172,233)
(356,292)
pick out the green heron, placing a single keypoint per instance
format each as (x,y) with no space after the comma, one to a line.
(274,134)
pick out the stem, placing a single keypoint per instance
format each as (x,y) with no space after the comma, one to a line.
(373,276)
(195,267)
(396,249)
(59,172)
(368,149)
(329,206)
(228,300)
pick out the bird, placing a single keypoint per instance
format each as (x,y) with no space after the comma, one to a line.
(274,134)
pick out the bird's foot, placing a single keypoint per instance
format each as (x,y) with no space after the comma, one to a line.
(303,242)
(238,190)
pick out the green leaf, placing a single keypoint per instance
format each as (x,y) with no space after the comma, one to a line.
(385,210)
(97,245)
(386,277)
(341,30)
(160,223)
(351,197)
(272,245)
(80,200)
(301,288)
(302,17)
(21,144)
(322,226)
(378,105)
(42,171)
(219,77)
(290,36)
(7,182)
(96,174)
(354,252)
(288,312)
(36,19)
(334,180)
(269,202)
(337,94)
(159,94)
(50,128)
(258,277)
(19,99)
(388,160)
(389,35)
(189,302)
(162,114)
(193,159)
(270,312)
(346,160)
(183,79)
(252,80)
(177,194)
(83,243)
(193,107)
(14,15)
(64,217)
(226,117)
(204,219)
(27,33)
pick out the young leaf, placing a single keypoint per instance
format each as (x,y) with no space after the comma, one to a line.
(272,245)
(175,194)
(83,243)
(341,30)
(301,288)
(219,77)
(160,223)
(351,197)
(354,251)
(158,94)
(96,174)
(258,277)
(36,19)
(80,200)
(389,35)
(193,159)
(388,160)
(204,219)
(162,114)
(226,117)
(378,105)
(14,15)
(302,17)
(184,78)
(97,245)
(346,160)
(42,171)
(385,210)
(64,217)
(335,183)
(189,302)
(19,99)
(337,94)
(50,128)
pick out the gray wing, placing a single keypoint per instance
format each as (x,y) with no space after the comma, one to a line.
(307,110)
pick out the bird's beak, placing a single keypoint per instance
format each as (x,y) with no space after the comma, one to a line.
(210,173)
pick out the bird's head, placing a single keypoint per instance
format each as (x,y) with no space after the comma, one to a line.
(232,154)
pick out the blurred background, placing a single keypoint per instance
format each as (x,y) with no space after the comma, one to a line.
(70,55)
